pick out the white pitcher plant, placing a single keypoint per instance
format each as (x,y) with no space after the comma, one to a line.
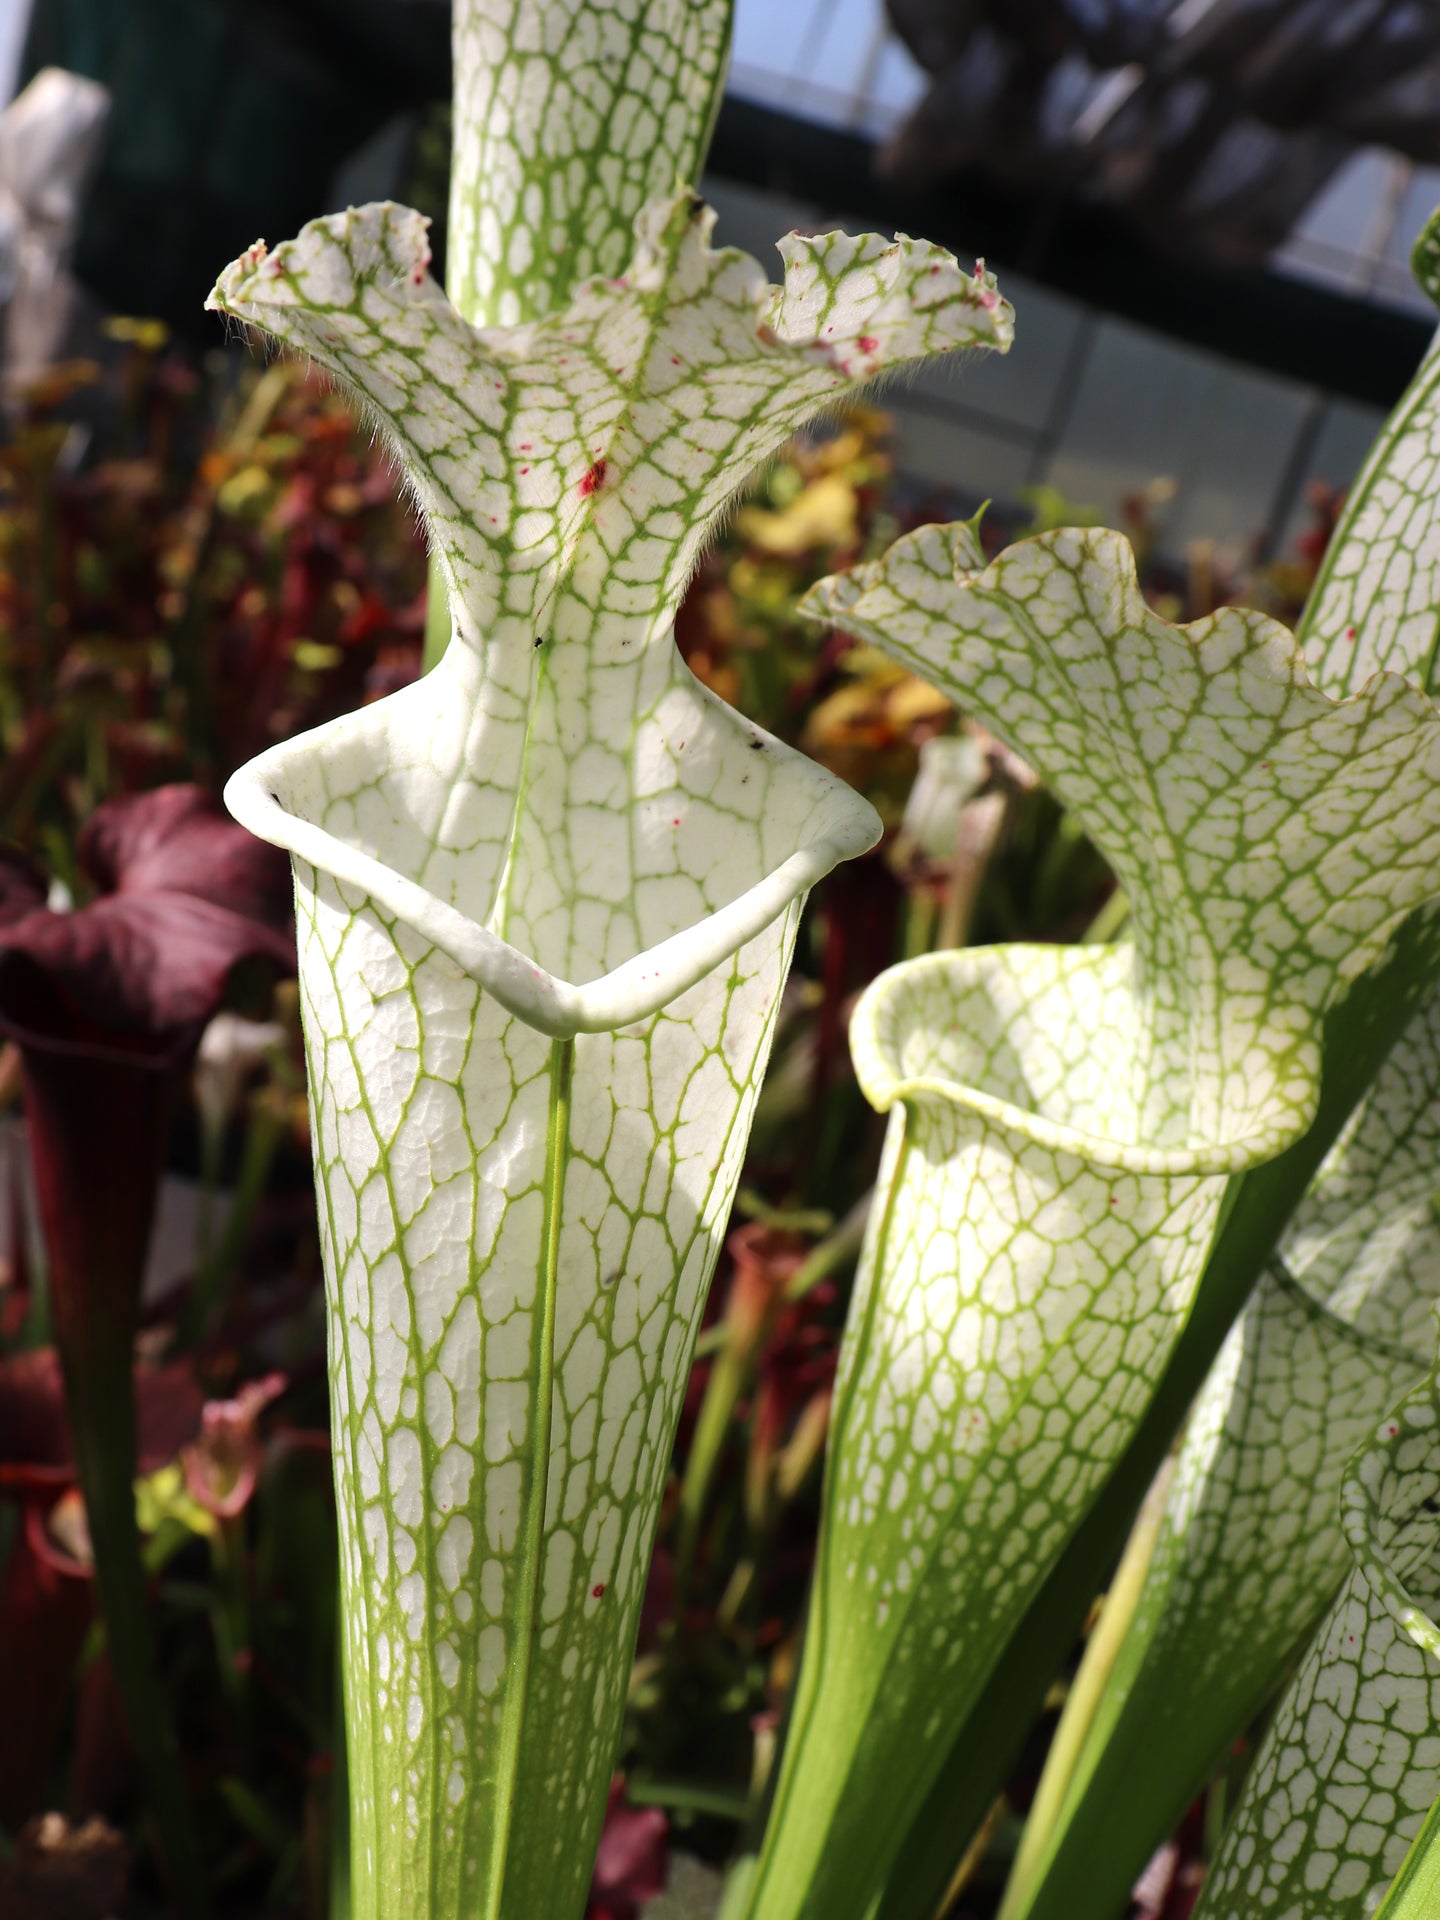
(1015,1340)
(546,903)
(1064,1121)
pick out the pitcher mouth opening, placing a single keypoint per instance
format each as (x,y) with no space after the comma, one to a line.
(892,1070)
(627,994)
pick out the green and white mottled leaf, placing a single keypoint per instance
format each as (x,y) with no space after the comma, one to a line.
(1351,1764)
(1064,1122)
(1249,1551)
(1268,836)
(569,117)
(546,900)
(1376,603)
(1359,1031)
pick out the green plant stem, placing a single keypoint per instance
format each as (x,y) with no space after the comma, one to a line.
(231,1616)
(1110,922)
(1104,1644)
(737,1350)
(1415,1891)
(732,1373)
(840,1248)
(688,1796)
(102,1415)
(921,913)
(837,1250)
(973,1859)
(1358,1036)
(209,1297)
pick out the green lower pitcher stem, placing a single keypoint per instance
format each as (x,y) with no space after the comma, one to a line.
(100,1396)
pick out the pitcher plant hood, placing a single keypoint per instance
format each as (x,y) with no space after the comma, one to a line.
(561,807)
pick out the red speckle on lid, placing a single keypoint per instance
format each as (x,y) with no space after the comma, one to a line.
(524,469)
(1351,634)
(597,1592)
(674,359)
(868,343)
(593,479)
(1392,1430)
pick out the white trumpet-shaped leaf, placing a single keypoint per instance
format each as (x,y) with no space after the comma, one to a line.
(1064,1121)
(557,833)
(1268,836)
(563,776)
(1351,1763)
(1249,1550)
